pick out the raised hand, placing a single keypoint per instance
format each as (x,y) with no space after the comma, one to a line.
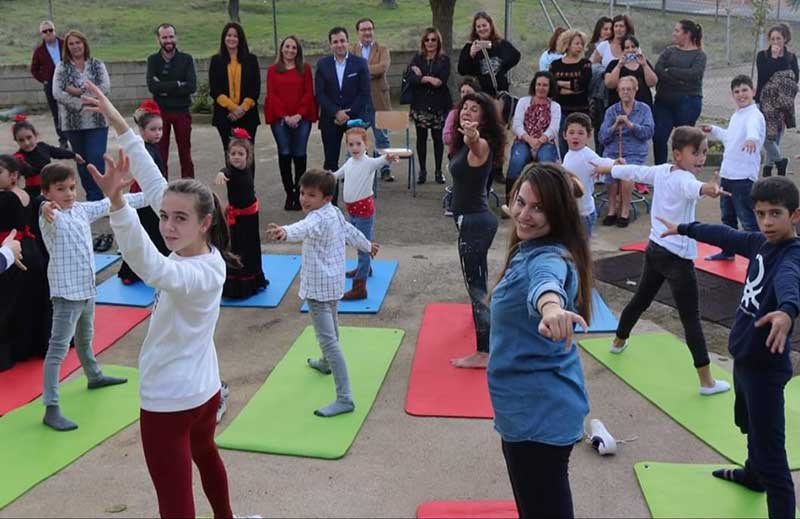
(221,179)
(780,323)
(48,210)
(469,130)
(98,102)
(117,177)
(13,244)
(672,229)
(712,187)
(276,232)
(79,159)
(557,324)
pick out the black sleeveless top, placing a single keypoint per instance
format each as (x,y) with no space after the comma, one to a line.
(469,183)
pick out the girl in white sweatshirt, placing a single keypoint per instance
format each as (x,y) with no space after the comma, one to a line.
(178,369)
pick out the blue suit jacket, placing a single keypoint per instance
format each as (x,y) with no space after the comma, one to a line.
(3,264)
(355,92)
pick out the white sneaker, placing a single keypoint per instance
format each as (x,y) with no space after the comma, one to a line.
(224,392)
(601,438)
(720,386)
(246,516)
(615,350)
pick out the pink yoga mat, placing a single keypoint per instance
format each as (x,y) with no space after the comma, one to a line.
(467,509)
(435,388)
(23,383)
(735,270)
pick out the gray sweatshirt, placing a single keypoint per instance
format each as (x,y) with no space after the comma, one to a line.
(680,72)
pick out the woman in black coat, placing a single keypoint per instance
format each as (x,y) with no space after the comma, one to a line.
(234,80)
(430,99)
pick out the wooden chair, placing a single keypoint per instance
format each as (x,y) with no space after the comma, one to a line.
(396,121)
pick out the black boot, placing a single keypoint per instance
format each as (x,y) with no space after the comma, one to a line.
(439,177)
(422,176)
(285,167)
(781,165)
(766,171)
(300,164)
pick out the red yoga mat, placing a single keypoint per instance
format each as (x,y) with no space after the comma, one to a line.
(735,270)
(436,388)
(22,383)
(467,509)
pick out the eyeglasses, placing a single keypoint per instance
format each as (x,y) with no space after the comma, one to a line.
(46,31)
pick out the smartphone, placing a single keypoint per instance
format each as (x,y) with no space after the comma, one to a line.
(485,43)
(630,58)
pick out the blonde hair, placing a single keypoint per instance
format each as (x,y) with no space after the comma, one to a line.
(358,131)
(565,40)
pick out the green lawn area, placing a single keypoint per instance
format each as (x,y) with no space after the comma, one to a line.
(120,30)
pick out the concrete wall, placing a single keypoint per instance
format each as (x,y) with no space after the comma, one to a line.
(128,84)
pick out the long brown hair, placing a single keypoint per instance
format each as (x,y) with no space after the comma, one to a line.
(558,192)
(490,127)
(206,203)
(425,33)
(75,33)
(494,37)
(299,64)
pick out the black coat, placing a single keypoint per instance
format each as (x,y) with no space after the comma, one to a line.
(424,96)
(250,87)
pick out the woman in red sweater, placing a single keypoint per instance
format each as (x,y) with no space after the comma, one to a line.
(289,109)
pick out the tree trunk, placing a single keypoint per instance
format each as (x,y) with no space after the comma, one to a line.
(443,11)
(233,10)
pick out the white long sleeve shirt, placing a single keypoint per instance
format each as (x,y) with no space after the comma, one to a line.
(675,196)
(359,175)
(518,126)
(68,239)
(746,124)
(325,234)
(178,367)
(581,164)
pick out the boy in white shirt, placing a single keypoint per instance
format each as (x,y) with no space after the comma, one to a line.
(671,259)
(741,160)
(359,177)
(324,233)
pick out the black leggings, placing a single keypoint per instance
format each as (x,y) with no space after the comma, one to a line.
(661,265)
(422,147)
(539,475)
(475,234)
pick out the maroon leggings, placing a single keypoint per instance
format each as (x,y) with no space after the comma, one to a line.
(171,441)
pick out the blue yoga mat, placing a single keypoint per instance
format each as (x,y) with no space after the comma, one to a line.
(377,288)
(281,271)
(103,261)
(603,320)
(113,292)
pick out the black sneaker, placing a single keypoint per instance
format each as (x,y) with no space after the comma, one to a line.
(610,220)
(387,176)
(103,242)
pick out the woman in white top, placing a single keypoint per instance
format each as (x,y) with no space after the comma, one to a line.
(178,368)
(611,49)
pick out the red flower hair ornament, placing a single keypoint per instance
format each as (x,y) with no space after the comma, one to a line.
(240,133)
(20,117)
(150,106)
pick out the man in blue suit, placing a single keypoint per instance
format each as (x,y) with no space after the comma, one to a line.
(343,93)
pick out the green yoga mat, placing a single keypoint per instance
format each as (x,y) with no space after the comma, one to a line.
(280,418)
(659,367)
(684,490)
(32,452)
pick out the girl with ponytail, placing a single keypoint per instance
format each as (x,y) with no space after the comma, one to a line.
(180,386)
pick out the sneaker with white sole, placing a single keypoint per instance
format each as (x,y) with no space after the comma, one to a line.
(224,392)
(614,349)
(720,386)
(601,438)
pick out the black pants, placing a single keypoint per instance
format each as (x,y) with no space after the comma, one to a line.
(539,476)
(759,413)
(475,234)
(422,149)
(53,104)
(661,265)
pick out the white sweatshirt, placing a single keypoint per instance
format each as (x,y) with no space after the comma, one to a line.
(746,124)
(178,368)
(359,175)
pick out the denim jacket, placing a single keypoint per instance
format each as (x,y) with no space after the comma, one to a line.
(536,386)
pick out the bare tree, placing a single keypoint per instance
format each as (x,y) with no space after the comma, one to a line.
(233,10)
(443,11)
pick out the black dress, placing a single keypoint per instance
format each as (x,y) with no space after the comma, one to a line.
(26,314)
(245,240)
(148,219)
(35,160)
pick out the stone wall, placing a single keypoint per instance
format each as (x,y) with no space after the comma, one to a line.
(128,84)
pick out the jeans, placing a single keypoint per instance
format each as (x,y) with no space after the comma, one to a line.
(171,441)
(70,319)
(53,105)
(291,141)
(475,235)
(589,220)
(181,122)
(661,265)
(521,155)
(539,475)
(91,145)
(759,413)
(381,136)
(326,327)
(670,112)
(365,226)
(772,148)
(738,206)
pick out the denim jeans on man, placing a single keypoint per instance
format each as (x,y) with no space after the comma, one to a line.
(670,112)
(589,220)
(521,155)
(738,207)
(291,141)
(363,224)
(772,148)
(91,145)
(381,137)
(326,327)
(70,319)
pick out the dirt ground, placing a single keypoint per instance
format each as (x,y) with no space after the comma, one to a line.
(397,461)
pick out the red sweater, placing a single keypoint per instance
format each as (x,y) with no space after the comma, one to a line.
(288,93)
(42,67)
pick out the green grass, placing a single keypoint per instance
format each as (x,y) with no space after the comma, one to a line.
(121,30)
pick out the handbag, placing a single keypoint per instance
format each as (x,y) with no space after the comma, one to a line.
(505,102)
(405,88)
